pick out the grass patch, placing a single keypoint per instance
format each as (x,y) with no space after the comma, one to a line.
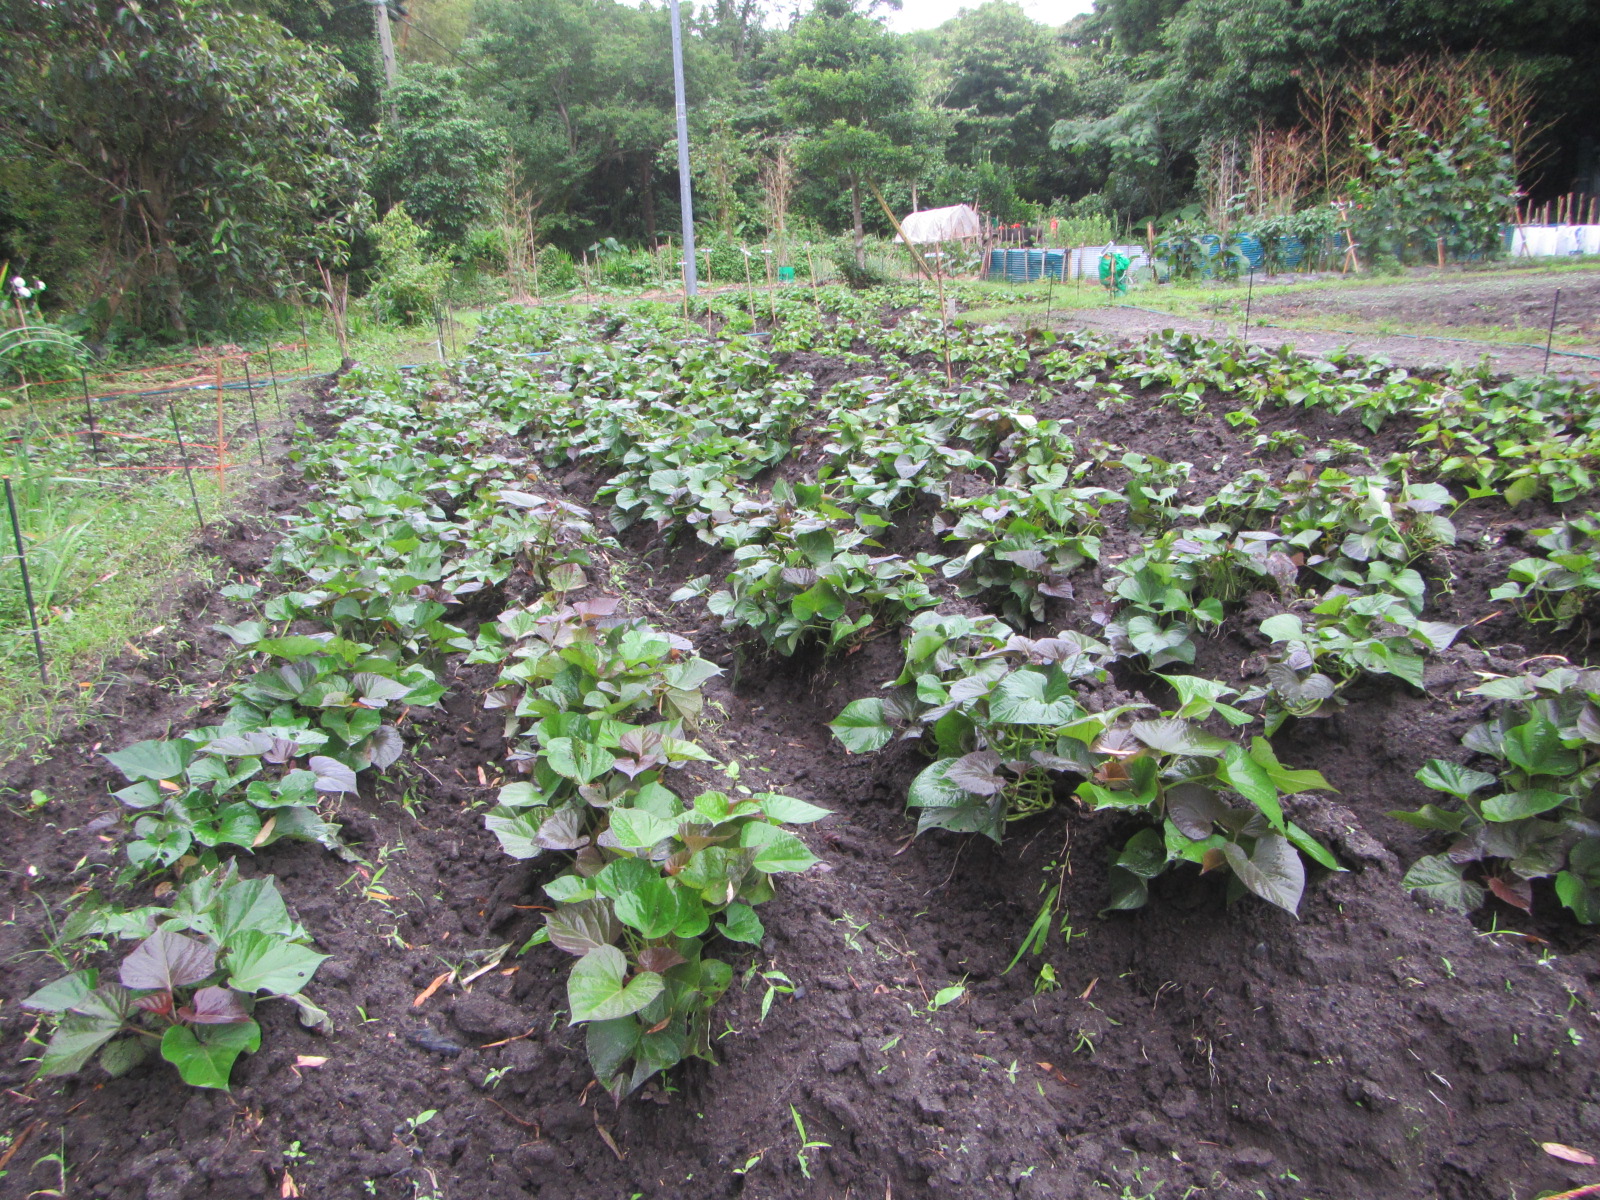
(105,548)
(101,558)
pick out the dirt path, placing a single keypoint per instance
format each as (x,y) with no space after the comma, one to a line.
(1519,300)
(1417,353)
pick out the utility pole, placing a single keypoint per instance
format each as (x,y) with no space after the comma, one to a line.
(685,186)
(380,9)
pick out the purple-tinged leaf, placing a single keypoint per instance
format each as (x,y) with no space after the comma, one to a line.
(384,746)
(659,959)
(977,773)
(332,775)
(214,1006)
(167,960)
(580,928)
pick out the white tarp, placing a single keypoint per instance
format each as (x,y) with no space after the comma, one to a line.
(1550,241)
(956,223)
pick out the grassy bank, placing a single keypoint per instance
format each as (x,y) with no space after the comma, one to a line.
(110,528)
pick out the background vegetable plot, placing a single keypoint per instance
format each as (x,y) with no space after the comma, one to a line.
(1114,622)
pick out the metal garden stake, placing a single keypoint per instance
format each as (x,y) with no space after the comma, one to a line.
(255,419)
(27,586)
(183,452)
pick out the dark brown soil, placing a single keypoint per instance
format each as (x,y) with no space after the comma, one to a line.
(1370,1049)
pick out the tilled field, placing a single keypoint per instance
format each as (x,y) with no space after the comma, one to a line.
(1172,628)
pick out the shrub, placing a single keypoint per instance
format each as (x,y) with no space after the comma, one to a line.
(411,282)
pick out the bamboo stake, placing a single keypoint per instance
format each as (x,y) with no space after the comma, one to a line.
(944,311)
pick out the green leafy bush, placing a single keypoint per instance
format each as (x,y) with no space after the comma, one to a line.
(649,873)
(809,582)
(1025,542)
(990,702)
(1002,715)
(411,282)
(1530,816)
(636,910)
(188,989)
(1558,586)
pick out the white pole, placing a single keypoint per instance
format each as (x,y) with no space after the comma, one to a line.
(685,187)
(385,42)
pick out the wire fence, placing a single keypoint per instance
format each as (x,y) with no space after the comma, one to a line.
(77,455)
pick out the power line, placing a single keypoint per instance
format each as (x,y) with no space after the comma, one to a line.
(412,25)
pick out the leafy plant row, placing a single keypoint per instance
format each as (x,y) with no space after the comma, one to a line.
(414,515)
(1339,549)
(599,711)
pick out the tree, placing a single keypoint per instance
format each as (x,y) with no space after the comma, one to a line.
(843,80)
(584,91)
(1216,68)
(1005,79)
(344,29)
(206,140)
(436,157)
(433,31)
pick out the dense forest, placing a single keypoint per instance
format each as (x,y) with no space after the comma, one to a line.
(167,163)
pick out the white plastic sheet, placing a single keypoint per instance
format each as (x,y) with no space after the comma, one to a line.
(1554,241)
(959,222)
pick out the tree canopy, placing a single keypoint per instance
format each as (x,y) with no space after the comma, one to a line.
(171,158)
(206,142)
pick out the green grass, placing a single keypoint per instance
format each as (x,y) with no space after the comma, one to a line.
(102,559)
(106,550)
